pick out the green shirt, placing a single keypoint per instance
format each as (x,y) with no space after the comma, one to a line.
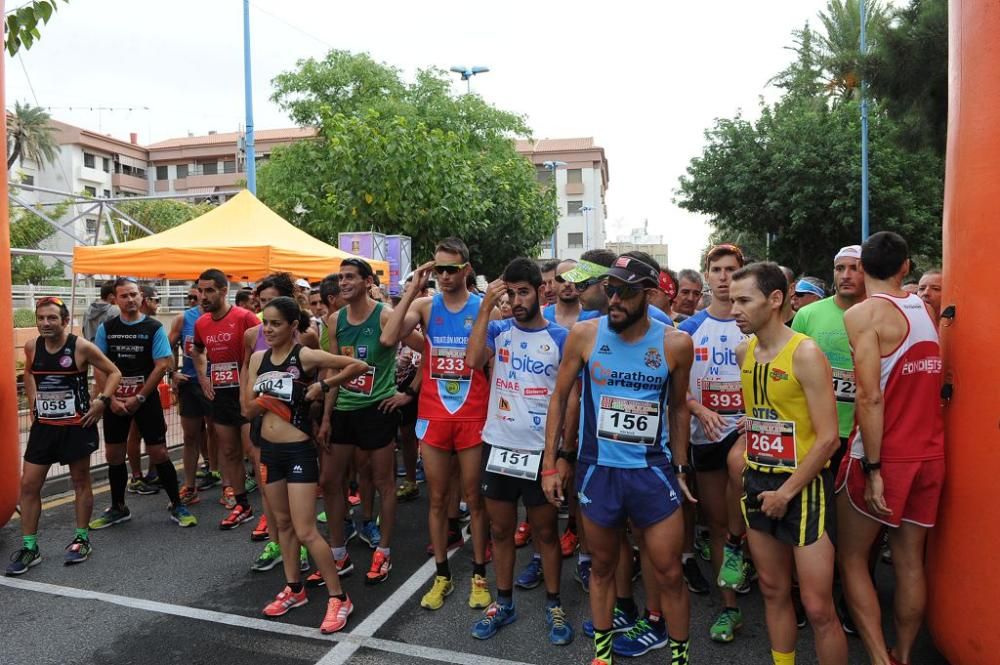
(362,342)
(823,321)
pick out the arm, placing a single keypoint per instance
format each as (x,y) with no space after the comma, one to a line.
(679,351)
(343,369)
(251,409)
(404,318)
(30,389)
(200,359)
(92,356)
(330,398)
(478,350)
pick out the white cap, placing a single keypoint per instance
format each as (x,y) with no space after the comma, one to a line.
(302,283)
(849,252)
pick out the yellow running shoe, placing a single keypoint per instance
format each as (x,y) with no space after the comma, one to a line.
(434,599)
(479,595)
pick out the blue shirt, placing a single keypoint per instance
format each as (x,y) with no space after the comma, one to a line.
(655,313)
(161,343)
(187,341)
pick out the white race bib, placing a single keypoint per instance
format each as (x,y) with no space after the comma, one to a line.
(56,405)
(626,420)
(275,384)
(844,387)
(514,463)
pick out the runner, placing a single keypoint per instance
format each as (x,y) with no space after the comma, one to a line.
(280,395)
(895,470)
(929,290)
(63,426)
(451,407)
(548,269)
(524,354)
(716,402)
(791,430)
(218,357)
(634,366)
(567,309)
(663,296)
(139,348)
(689,288)
(150,484)
(807,291)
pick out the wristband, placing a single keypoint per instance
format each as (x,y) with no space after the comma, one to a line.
(549,472)
(568,455)
(681,468)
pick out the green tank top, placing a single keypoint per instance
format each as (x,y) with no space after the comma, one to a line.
(362,342)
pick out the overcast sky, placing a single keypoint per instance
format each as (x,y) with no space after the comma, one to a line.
(644,79)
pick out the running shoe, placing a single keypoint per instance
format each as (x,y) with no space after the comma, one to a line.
(182,516)
(201,472)
(77,551)
(350,531)
(749,577)
(523,534)
(321,518)
(401,471)
(494,618)
(268,559)
(464,516)
(696,582)
(138,485)
(284,601)
(259,532)
(407,491)
(228,498)
(211,479)
(344,568)
(250,484)
(379,570)
(110,517)
(303,559)
(531,576)
(732,574)
(420,476)
(568,543)
(560,631)
(640,639)
(599,661)
(23,559)
(337,612)
(726,624)
(441,589)
(189,495)
(703,544)
(153,478)
(455,540)
(237,516)
(370,533)
(582,574)
(846,621)
(479,593)
(620,623)
(354,497)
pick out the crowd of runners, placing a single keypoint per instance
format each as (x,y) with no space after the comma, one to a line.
(734,414)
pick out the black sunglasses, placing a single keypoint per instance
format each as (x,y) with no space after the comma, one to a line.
(449,268)
(624,292)
(586,284)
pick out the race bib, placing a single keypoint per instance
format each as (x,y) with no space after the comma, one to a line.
(275,384)
(771,443)
(515,463)
(225,375)
(723,397)
(448,364)
(188,345)
(130,386)
(844,387)
(55,405)
(628,420)
(362,385)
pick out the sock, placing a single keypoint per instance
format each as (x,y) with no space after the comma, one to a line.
(30,542)
(242,499)
(340,596)
(443,570)
(552,599)
(479,569)
(583,558)
(678,651)
(453,525)
(83,533)
(505,597)
(296,587)
(136,475)
(339,553)
(168,478)
(602,644)
(655,621)
(783,658)
(734,541)
(118,478)
(384,551)
(686,556)
(627,605)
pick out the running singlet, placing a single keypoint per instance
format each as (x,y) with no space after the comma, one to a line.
(525,365)
(362,342)
(451,390)
(288,382)
(715,375)
(585,314)
(62,396)
(823,321)
(187,341)
(623,419)
(134,349)
(778,427)
(222,341)
(913,422)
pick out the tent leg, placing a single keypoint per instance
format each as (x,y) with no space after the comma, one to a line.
(72,304)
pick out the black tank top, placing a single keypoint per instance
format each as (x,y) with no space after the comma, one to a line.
(63,396)
(130,348)
(287,382)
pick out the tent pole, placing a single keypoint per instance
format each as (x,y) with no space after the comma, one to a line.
(72,304)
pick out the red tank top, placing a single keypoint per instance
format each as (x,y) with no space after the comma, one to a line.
(223,344)
(449,389)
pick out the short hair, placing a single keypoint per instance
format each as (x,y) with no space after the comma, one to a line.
(107,289)
(215,275)
(883,254)
(602,257)
(645,258)
(363,267)
(691,276)
(523,269)
(453,245)
(281,282)
(242,297)
(724,249)
(54,302)
(767,275)
(122,281)
(549,265)
(931,271)
(329,288)
(148,291)
(789,274)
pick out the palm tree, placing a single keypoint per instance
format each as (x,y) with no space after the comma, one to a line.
(30,136)
(840,43)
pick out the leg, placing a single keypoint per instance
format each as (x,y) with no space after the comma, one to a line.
(713,500)
(211,450)
(734,488)
(272,532)
(227,437)
(907,543)
(605,546)
(30,499)
(133,451)
(168,474)
(545,533)
(277,494)
(503,521)
(814,564)
(366,486)
(382,463)
(649,584)
(664,541)
(79,472)
(437,465)
(334,470)
(470,461)
(623,571)
(774,568)
(194,440)
(117,472)
(408,445)
(302,506)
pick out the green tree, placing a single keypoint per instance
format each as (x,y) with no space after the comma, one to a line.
(840,44)
(406,158)
(29,135)
(156,215)
(27,231)
(20,25)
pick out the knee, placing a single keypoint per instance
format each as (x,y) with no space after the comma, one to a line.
(31,487)
(774,589)
(283,523)
(546,535)
(502,534)
(309,537)
(439,502)
(670,576)
(820,610)
(602,569)
(81,483)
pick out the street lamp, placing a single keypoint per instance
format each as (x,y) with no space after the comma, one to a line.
(467,74)
(552,165)
(586,225)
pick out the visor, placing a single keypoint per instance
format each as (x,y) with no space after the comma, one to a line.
(802,286)
(583,271)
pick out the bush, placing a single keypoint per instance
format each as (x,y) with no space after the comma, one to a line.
(24,318)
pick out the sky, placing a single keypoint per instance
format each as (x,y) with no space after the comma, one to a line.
(644,79)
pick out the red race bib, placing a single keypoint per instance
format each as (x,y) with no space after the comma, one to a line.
(723,397)
(130,386)
(771,443)
(449,365)
(364,384)
(225,375)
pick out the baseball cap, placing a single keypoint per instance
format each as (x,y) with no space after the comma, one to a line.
(303,283)
(804,286)
(583,271)
(633,271)
(848,252)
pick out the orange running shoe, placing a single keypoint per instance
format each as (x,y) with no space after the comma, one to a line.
(337,611)
(284,601)
(379,571)
(523,534)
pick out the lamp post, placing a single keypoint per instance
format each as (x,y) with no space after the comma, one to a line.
(467,74)
(251,155)
(864,129)
(586,210)
(552,165)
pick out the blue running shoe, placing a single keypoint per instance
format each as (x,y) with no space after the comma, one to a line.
(642,639)
(582,574)
(531,576)
(350,531)
(560,631)
(420,476)
(620,623)
(494,618)
(370,533)
(23,559)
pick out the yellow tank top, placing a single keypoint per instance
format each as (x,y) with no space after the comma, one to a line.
(779,431)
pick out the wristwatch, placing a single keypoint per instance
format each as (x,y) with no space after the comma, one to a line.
(568,455)
(682,468)
(325,386)
(409,391)
(868,467)
(140,398)
(104,398)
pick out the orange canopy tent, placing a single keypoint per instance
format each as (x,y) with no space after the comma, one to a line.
(243,238)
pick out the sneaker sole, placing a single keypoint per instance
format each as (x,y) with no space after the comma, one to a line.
(230,527)
(509,620)
(373,581)
(369,543)
(11,573)
(183,526)
(446,594)
(73,562)
(263,569)
(643,652)
(519,585)
(287,610)
(701,591)
(147,492)
(127,518)
(329,631)
(256,537)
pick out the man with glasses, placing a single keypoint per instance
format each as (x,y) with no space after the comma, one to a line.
(807,291)
(633,367)
(451,407)
(63,426)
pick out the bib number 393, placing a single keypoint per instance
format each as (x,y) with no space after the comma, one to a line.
(515,463)
(723,397)
(57,405)
(771,443)
(625,420)
(844,387)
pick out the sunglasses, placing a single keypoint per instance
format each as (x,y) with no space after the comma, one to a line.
(449,268)
(586,284)
(624,292)
(192,297)
(50,300)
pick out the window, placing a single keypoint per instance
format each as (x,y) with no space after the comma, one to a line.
(210,168)
(107,193)
(106,164)
(547,244)
(575,239)
(574,176)
(161,173)
(89,160)
(182,171)
(91,226)
(91,191)
(574,208)
(543,175)
(229,166)
(27,179)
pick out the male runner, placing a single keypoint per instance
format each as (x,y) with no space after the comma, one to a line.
(807,291)
(895,470)
(929,290)
(139,348)
(633,368)
(451,406)
(138,484)
(791,431)
(549,268)
(567,309)
(63,426)
(689,290)
(663,296)
(218,357)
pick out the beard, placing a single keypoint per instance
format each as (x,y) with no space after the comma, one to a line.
(523,314)
(630,319)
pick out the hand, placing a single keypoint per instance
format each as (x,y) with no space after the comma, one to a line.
(397,401)
(118,406)
(552,486)
(421,276)
(131,404)
(323,434)
(713,423)
(875,494)
(206,387)
(565,470)
(314,391)
(494,291)
(685,490)
(773,504)
(95,413)
(741,426)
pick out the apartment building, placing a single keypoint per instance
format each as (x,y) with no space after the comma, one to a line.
(640,240)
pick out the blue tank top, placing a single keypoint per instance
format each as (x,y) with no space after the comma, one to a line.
(623,422)
(187,340)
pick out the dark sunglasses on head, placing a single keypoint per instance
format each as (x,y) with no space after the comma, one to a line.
(624,292)
(450,268)
(586,284)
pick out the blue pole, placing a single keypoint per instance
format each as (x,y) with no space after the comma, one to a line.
(248,94)
(864,132)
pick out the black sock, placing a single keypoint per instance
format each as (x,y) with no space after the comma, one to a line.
(505,596)
(443,570)
(479,569)
(242,500)
(453,525)
(341,596)
(627,605)
(168,478)
(296,587)
(734,541)
(552,599)
(678,651)
(118,479)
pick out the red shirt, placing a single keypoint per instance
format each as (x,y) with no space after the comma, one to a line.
(222,341)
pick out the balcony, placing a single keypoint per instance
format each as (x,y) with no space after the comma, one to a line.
(90,174)
(226,180)
(130,182)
